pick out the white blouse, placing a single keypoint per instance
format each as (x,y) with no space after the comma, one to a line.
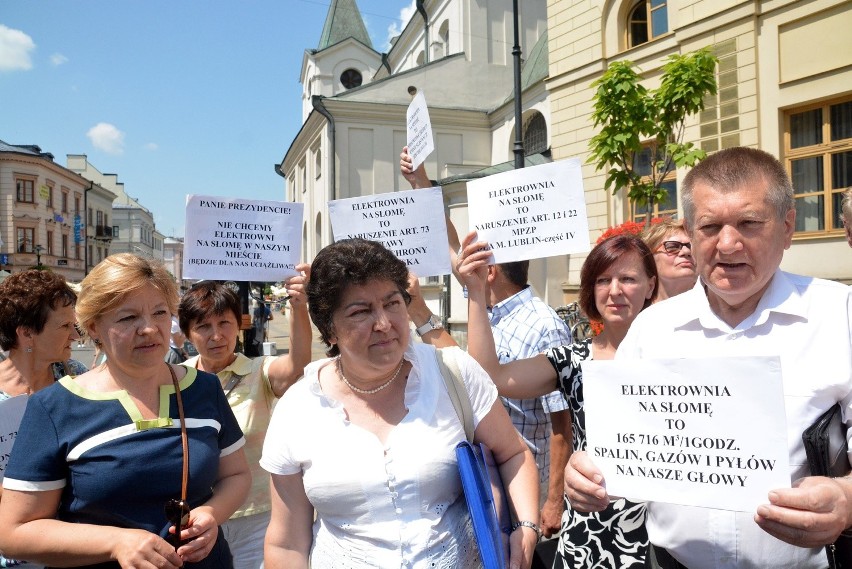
(393,505)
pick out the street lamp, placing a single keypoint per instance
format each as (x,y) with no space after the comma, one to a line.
(38,250)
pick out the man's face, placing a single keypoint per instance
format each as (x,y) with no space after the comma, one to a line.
(737,240)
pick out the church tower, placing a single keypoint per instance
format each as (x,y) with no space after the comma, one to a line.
(343,60)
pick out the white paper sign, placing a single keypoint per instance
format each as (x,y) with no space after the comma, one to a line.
(410,223)
(419,134)
(237,239)
(11,413)
(532,212)
(707,432)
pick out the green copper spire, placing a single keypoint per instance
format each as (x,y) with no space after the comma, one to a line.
(343,21)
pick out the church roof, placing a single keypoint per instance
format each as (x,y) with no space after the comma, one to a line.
(536,66)
(342,22)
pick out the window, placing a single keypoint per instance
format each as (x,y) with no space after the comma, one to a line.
(49,196)
(647,20)
(65,247)
(100,218)
(351,78)
(106,220)
(535,134)
(91,256)
(720,119)
(642,164)
(25,189)
(100,255)
(115,232)
(89,217)
(76,248)
(26,239)
(76,204)
(317,164)
(818,156)
(444,34)
(50,242)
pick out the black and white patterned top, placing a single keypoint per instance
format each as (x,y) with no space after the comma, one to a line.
(615,537)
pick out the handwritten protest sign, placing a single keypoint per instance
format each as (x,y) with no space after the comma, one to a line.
(532,212)
(707,432)
(410,223)
(419,133)
(11,413)
(247,240)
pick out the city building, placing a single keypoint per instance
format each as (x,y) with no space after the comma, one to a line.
(132,225)
(785,86)
(458,53)
(173,258)
(49,213)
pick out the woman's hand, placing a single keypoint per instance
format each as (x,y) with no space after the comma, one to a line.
(416,178)
(472,264)
(584,484)
(522,544)
(199,537)
(143,549)
(295,287)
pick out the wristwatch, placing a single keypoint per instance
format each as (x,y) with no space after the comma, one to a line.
(434,323)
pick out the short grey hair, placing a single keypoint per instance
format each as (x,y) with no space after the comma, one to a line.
(846,207)
(735,167)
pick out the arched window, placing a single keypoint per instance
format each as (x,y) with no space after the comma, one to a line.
(421,58)
(647,20)
(351,78)
(318,164)
(444,34)
(318,232)
(535,134)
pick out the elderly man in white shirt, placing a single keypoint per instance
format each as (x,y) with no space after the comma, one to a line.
(739,213)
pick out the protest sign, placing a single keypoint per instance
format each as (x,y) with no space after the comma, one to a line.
(419,132)
(11,413)
(411,224)
(529,213)
(247,240)
(707,432)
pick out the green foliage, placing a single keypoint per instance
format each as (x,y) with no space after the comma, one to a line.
(628,114)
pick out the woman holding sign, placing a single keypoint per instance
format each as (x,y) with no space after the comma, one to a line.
(209,315)
(617,281)
(366,440)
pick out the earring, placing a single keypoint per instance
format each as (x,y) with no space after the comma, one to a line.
(29,349)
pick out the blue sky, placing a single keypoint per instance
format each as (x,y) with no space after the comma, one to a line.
(175,98)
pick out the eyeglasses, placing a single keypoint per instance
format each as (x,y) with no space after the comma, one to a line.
(674,247)
(177,512)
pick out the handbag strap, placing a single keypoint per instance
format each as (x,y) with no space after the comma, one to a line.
(449,366)
(183,438)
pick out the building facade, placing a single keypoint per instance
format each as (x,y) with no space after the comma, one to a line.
(131,226)
(785,86)
(354,101)
(49,214)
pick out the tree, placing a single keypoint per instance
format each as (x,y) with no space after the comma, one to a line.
(633,118)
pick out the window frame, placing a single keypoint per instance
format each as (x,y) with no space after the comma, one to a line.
(650,9)
(824,150)
(671,176)
(23,180)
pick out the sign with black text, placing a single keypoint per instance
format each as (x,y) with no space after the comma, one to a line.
(11,413)
(419,131)
(411,224)
(239,239)
(707,432)
(530,213)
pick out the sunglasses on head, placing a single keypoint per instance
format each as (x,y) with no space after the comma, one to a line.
(674,247)
(177,512)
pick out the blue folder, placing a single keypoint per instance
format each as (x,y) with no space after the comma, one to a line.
(486,502)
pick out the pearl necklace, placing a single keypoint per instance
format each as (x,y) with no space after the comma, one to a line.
(367,391)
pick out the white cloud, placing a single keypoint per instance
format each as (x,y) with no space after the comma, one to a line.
(106,137)
(15,50)
(396,28)
(58,59)
(152,146)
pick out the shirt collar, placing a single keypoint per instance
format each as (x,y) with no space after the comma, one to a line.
(781,296)
(505,307)
(240,366)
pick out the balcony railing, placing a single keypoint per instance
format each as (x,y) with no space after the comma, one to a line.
(103,231)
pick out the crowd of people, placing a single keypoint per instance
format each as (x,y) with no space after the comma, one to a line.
(223,460)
